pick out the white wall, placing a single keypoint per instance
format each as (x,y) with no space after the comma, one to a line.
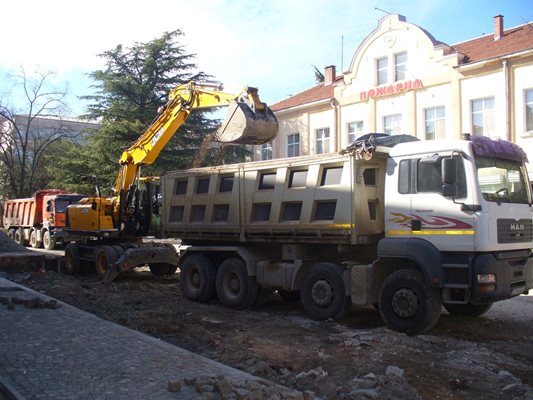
(435,97)
(490,85)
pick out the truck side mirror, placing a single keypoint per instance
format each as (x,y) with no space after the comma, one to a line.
(48,206)
(93,205)
(449,177)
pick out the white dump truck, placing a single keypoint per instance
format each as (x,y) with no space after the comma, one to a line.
(405,225)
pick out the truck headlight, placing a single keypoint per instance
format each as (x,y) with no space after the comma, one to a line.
(486,282)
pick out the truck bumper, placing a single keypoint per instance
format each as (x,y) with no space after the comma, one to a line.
(498,276)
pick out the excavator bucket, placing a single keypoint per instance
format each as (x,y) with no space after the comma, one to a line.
(247,124)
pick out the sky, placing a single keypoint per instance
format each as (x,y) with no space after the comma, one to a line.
(269,44)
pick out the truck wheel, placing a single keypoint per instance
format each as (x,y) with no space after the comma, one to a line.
(33,240)
(198,278)
(19,237)
(162,269)
(323,294)
(105,256)
(11,234)
(407,304)
(469,310)
(235,288)
(48,241)
(72,259)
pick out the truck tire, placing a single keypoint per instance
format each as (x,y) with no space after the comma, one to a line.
(104,257)
(235,288)
(469,310)
(72,259)
(323,294)
(19,237)
(408,304)
(33,240)
(198,278)
(49,243)
(11,233)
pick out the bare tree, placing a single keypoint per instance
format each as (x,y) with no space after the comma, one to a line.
(27,132)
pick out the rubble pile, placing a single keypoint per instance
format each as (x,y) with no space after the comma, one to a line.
(9,246)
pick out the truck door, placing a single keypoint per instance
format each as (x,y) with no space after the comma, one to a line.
(438,217)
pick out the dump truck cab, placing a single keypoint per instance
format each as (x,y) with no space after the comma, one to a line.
(461,211)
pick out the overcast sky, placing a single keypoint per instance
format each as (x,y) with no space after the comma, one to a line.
(269,44)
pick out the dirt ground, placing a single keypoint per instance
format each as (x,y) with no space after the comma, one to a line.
(357,358)
(489,357)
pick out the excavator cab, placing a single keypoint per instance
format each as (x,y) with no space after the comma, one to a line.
(248,121)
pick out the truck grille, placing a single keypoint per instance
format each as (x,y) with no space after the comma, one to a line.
(515,231)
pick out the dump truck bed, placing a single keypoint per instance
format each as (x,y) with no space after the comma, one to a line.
(331,198)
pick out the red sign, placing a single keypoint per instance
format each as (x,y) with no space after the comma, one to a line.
(390,89)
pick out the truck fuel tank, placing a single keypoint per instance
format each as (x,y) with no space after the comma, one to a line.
(246,123)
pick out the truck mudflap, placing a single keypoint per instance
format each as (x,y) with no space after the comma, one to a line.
(499,276)
(141,254)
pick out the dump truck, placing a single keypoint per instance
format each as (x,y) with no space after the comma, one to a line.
(36,221)
(401,224)
(110,228)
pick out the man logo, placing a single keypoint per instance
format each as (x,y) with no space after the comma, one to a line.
(516,227)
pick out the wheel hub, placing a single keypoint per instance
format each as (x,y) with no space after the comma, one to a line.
(195,279)
(405,303)
(234,284)
(322,293)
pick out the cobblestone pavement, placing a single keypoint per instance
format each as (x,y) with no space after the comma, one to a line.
(50,350)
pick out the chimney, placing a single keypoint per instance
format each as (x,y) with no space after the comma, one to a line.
(329,75)
(498,27)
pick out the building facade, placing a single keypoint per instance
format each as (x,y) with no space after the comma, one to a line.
(401,80)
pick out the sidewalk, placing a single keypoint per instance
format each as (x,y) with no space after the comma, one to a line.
(50,350)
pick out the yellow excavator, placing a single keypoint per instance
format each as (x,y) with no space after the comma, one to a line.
(109,229)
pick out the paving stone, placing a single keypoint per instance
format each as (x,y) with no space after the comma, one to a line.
(61,352)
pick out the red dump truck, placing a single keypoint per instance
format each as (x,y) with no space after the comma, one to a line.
(36,220)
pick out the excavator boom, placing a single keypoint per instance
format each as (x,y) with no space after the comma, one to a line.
(248,121)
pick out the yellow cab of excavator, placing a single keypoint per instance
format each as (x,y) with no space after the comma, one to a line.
(248,121)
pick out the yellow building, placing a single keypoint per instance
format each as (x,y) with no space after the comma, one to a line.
(401,80)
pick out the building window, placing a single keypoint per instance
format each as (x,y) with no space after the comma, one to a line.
(322,141)
(266,151)
(382,65)
(293,145)
(400,66)
(529,110)
(392,124)
(483,116)
(435,126)
(355,129)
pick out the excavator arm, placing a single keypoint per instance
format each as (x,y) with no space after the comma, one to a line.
(183,99)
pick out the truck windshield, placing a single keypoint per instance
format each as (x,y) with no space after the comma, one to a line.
(502,181)
(61,205)
(63,202)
